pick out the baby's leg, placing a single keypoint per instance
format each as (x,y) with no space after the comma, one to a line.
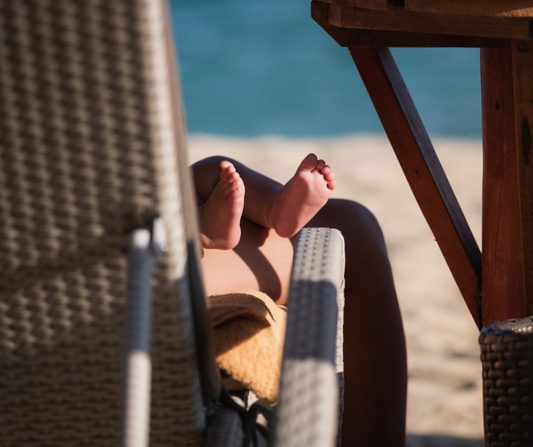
(259,188)
(268,203)
(220,216)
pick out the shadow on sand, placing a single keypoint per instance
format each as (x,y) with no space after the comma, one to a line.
(442,441)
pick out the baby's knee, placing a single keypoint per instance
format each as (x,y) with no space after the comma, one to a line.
(358,212)
(209,162)
(359,226)
(354,216)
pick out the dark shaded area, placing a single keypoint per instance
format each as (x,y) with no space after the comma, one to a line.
(526,140)
(442,441)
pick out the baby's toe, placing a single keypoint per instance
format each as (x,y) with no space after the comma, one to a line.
(308,163)
(229,174)
(329,176)
(326,170)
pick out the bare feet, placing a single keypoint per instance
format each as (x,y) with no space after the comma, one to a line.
(302,197)
(220,216)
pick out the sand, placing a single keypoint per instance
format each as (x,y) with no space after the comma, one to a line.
(445,397)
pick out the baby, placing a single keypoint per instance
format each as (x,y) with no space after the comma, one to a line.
(262,261)
(287,209)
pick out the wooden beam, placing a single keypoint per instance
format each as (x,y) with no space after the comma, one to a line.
(350,37)
(522,52)
(381,5)
(422,169)
(502,272)
(398,19)
(492,8)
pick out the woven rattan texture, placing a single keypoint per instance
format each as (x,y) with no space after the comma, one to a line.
(84,158)
(307,410)
(225,429)
(507,357)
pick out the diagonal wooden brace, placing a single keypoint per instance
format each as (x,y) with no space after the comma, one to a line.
(422,169)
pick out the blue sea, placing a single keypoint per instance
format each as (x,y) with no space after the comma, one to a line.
(252,68)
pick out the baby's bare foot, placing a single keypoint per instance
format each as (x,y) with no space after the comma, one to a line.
(220,216)
(302,197)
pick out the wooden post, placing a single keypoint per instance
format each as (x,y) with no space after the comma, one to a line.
(522,54)
(502,273)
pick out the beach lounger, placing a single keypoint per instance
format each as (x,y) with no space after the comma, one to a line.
(104,328)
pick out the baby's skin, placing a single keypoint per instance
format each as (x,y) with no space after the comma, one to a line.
(220,216)
(302,197)
(288,210)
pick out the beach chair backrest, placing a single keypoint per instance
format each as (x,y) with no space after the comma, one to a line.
(90,141)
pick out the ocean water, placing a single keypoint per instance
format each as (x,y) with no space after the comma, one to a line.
(265,67)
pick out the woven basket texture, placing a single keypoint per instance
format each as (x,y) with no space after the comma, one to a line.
(87,152)
(507,357)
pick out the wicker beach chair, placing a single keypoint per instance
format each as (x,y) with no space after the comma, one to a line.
(98,245)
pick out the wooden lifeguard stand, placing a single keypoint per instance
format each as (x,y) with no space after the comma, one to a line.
(497,282)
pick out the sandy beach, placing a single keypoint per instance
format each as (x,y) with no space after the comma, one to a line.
(445,397)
